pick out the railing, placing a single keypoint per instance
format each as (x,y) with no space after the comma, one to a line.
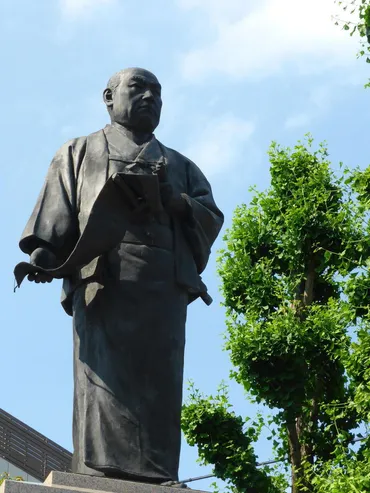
(27,449)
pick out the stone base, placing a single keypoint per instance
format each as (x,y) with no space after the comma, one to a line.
(65,482)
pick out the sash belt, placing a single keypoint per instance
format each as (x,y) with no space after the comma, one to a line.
(160,239)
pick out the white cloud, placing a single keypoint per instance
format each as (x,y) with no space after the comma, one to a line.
(323,96)
(318,102)
(261,42)
(297,121)
(219,145)
(218,10)
(76,8)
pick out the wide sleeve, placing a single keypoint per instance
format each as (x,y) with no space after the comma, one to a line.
(204,218)
(54,222)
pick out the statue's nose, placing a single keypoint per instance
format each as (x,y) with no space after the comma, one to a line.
(148,94)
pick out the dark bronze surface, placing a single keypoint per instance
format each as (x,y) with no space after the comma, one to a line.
(128,224)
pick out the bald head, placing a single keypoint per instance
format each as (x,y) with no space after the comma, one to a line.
(133,99)
(126,73)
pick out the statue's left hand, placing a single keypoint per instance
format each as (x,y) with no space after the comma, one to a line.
(42,257)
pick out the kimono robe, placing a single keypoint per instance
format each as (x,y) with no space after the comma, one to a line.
(129,302)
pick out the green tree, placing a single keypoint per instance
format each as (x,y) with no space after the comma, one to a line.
(356,20)
(5,475)
(296,289)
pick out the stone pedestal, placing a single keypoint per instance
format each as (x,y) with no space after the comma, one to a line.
(64,482)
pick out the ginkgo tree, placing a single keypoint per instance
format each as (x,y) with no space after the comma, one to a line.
(296,287)
(355,18)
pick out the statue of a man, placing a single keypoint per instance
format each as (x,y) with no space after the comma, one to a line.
(128,224)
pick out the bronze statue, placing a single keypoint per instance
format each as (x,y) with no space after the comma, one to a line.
(128,224)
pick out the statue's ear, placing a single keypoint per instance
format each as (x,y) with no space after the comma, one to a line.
(108,97)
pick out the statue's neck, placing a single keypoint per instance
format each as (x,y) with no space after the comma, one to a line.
(138,137)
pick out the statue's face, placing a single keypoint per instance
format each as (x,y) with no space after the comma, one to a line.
(136,103)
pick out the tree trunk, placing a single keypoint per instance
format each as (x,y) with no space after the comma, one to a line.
(309,284)
(298,451)
(295,455)
(307,298)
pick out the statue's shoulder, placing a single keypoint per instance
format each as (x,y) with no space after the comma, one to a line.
(99,134)
(79,144)
(190,167)
(73,147)
(174,155)
(74,151)
(81,141)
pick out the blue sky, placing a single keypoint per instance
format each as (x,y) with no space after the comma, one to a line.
(236,75)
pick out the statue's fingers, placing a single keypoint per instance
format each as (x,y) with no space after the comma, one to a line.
(39,277)
(44,277)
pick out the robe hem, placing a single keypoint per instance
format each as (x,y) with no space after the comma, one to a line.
(131,475)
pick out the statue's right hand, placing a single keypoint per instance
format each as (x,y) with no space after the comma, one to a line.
(42,257)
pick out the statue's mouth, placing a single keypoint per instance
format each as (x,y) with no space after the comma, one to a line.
(147,107)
